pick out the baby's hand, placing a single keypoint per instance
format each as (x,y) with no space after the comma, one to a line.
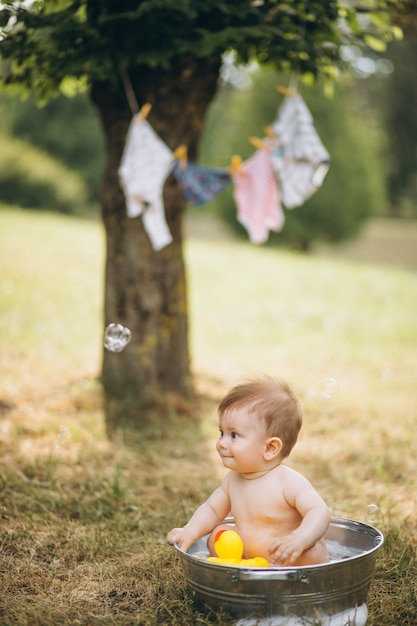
(285,550)
(181,536)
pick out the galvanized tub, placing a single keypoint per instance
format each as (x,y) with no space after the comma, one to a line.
(330,594)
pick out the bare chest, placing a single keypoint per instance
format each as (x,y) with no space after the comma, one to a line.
(261,513)
(260,500)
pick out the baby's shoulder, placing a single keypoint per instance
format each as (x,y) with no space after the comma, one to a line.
(228,480)
(288,474)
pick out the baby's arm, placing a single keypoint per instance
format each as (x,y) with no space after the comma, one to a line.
(203,521)
(301,495)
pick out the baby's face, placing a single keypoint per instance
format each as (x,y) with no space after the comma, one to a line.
(241,444)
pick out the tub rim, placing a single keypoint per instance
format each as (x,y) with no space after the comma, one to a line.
(294,571)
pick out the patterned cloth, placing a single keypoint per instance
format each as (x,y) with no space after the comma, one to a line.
(257,197)
(299,158)
(145,165)
(199,185)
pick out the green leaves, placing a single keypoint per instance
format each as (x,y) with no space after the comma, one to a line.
(54,39)
(375,43)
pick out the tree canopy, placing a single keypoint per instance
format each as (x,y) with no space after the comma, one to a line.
(48,42)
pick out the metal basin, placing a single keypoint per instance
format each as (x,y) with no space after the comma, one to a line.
(330,594)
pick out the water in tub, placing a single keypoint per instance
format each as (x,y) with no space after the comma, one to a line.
(356,616)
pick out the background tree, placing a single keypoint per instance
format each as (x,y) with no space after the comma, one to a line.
(396,99)
(346,126)
(170,52)
(30,177)
(64,127)
(390,90)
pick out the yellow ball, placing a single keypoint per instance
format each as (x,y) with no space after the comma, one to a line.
(228,545)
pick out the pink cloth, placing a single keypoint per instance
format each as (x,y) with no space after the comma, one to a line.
(257,197)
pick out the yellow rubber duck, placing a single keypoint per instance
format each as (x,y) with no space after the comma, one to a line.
(229,550)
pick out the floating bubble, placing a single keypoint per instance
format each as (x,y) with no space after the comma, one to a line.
(329,387)
(116,337)
(63,433)
(329,322)
(372,513)
(387,374)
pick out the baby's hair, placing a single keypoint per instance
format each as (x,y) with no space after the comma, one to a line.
(271,400)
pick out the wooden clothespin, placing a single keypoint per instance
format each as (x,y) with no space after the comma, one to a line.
(258,143)
(285,91)
(235,166)
(144,112)
(269,132)
(181,153)
(271,140)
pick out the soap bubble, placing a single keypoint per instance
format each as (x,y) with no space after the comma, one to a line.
(329,387)
(386,374)
(116,337)
(63,433)
(329,322)
(372,513)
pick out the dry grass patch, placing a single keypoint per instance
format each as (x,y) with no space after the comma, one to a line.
(83,519)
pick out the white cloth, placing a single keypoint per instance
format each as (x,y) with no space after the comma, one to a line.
(299,159)
(145,165)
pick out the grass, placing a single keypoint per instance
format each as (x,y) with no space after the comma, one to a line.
(83,519)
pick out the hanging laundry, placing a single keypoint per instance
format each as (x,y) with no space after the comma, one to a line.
(199,185)
(298,156)
(257,197)
(145,165)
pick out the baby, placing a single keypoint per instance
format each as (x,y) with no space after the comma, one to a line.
(277,512)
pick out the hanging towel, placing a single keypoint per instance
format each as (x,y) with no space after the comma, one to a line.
(299,159)
(257,197)
(199,185)
(145,165)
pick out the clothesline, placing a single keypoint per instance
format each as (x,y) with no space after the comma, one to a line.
(289,165)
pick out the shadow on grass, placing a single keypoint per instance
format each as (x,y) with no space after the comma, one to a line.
(84,521)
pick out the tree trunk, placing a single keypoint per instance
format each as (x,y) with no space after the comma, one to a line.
(145,290)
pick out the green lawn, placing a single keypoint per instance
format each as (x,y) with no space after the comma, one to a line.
(84,519)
